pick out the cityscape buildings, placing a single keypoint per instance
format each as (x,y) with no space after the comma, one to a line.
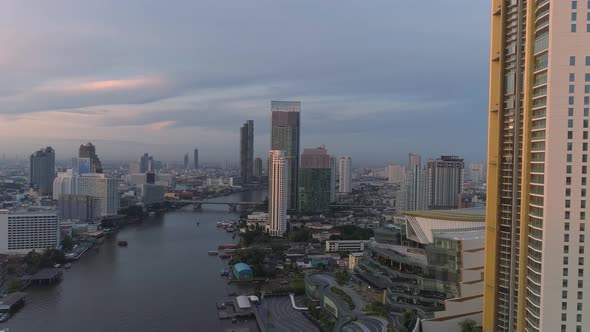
(42,170)
(415,194)
(536,267)
(285,135)
(186,162)
(247,151)
(315,181)
(102,187)
(196,158)
(257,170)
(277,194)
(88,161)
(445,177)
(345,173)
(23,230)
(79,208)
(333,176)
(477,172)
(146,163)
(396,174)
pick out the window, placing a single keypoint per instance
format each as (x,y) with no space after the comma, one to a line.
(585,135)
(563,317)
(568,192)
(586,88)
(570,123)
(582,215)
(566,238)
(567,206)
(579,307)
(564,304)
(574,4)
(587,57)
(585,123)
(568,169)
(587,77)
(586,110)
(582,227)
(581,238)
(580,272)
(588,14)
(570,111)
(584,146)
(567,215)
(583,205)
(580,285)
(573,28)
(568,180)
(572,77)
(579,318)
(571,89)
(565,261)
(564,294)
(569,157)
(580,260)
(584,158)
(566,249)
(583,191)
(570,146)
(572,60)
(580,295)
(587,27)
(581,250)
(570,135)
(586,100)
(570,100)
(574,16)
(584,183)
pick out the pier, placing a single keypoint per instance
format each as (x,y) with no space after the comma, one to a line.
(45,276)
(12,302)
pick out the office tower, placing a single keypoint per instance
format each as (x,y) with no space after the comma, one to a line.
(135,167)
(416,190)
(285,135)
(396,174)
(257,171)
(445,177)
(81,208)
(186,161)
(65,183)
(196,158)
(24,230)
(277,194)
(88,154)
(152,194)
(247,151)
(314,181)
(104,188)
(333,176)
(224,165)
(345,175)
(146,163)
(477,173)
(42,170)
(536,269)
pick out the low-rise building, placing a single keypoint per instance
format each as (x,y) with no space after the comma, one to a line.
(345,245)
(353,260)
(24,230)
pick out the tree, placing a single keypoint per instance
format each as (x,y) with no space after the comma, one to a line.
(66,243)
(303,235)
(468,325)
(407,320)
(13,285)
(341,277)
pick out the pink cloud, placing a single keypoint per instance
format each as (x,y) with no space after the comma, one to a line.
(106,85)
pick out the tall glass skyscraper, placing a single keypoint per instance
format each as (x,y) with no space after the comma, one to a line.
(315,181)
(285,135)
(536,268)
(247,151)
(42,170)
(88,151)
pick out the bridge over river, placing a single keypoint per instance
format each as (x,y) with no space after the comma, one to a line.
(198,204)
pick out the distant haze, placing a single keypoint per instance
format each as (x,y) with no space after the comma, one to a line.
(376,79)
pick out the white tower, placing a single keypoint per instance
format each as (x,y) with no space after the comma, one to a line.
(277,201)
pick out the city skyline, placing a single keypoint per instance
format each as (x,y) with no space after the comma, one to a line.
(89,98)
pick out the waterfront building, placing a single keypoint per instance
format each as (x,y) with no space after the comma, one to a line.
(152,194)
(102,187)
(88,161)
(345,245)
(247,151)
(445,177)
(314,181)
(79,208)
(536,264)
(196,158)
(285,135)
(333,176)
(24,230)
(257,168)
(65,183)
(345,172)
(42,170)
(278,196)
(242,271)
(434,270)
(396,174)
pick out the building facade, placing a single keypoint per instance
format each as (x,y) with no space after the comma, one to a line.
(285,135)
(536,264)
(333,177)
(42,170)
(278,196)
(196,158)
(445,177)
(247,151)
(396,174)
(345,245)
(186,162)
(345,173)
(152,194)
(104,188)
(82,208)
(24,230)
(315,181)
(65,183)
(415,194)
(257,171)
(88,151)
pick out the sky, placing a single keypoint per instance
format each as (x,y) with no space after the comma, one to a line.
(377,79)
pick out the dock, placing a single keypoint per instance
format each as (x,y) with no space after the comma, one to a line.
(45,276)
(12,302)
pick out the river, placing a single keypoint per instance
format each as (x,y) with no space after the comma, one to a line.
(163,281)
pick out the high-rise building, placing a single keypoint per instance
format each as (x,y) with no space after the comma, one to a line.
(146,163)
(314,181)
(257,167)
(333,176)
(345,175)
(416,191)
(277,200)
(186,161)
(196,158)
(42,170)
(285,135)
(536,267)
(135,167)
(88,151)
(445,179)
(24,230)
(104,188)
(65,183)
(396,174)
(82,208)
(247,151)
(477,172)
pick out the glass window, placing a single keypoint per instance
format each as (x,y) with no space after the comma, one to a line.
(564,304)
(587,27)
(569,146)
(572,60)
(570,123)
(568,192)
(572,89)
(568,169)
(587,57)
(585,146)
(582,227)
(569,157)
(583,192)
(583,206)
(573,27)
(580,260)
(582,215)
(585,123)
(566,249)
(570,111)
(574,4)
(584,183)
(567,205)
(565,261)
(586,110)
(584,158)
(567,215)
(587,77)
(586,100)
(574,16)
(570,135)
(572,77)
(581,238)
(566,238)
(571,100)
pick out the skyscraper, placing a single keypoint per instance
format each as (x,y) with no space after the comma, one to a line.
(314,181)
(333,175)
(88,151)
(257,167)
(445,179)
(396,174)
(345,175)
(145,163)
(415,193)
(536,268)
(102,187)
(277,201)
(42,170)
(186,161)
(196,158)
(247,151)
(285,135)
(477,172)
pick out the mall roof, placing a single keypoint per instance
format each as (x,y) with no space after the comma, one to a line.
(471,214)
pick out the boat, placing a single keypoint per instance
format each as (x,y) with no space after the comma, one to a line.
(227,246)
(4,317)
(219,224)
(122,243)
(213,252)
(68,265)
(224,272)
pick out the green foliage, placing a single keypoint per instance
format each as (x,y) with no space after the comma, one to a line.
(254,236)
(302,235)
(390,328)
(134,211)
(351,232)
(342,294)
(36,261)
(342,277)
(13,285)
(408,318)
(66,243)
(469,325)
(376,308)
(254,258)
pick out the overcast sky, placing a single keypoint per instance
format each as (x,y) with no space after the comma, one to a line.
(377,79)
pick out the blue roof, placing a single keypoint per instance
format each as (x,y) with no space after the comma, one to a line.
(242,267)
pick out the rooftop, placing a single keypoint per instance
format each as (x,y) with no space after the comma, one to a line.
(471,214)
